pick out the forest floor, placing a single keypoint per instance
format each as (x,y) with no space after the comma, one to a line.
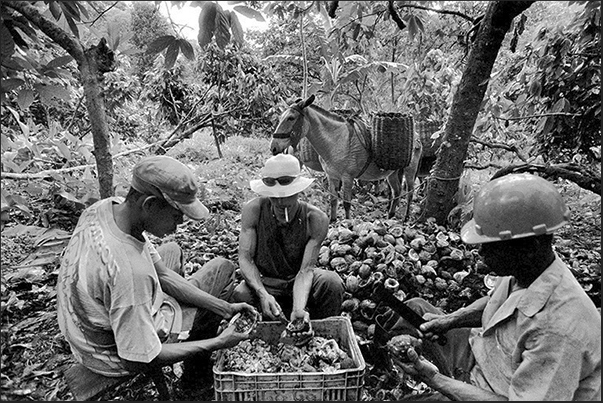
(34,353)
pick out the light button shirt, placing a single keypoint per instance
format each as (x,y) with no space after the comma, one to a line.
(539,343)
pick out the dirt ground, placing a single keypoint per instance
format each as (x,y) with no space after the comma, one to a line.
(34,353)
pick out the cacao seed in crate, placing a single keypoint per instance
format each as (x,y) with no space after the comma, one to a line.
(343,384)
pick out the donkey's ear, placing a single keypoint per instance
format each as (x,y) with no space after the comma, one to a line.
(309,101)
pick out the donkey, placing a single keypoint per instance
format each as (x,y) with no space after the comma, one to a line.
(344,149)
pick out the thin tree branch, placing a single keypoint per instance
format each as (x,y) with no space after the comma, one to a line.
(482,167)
(304,56)
(581,175)
(49,172)
(77,107)
(513,149)
(541,115)
(100,13)
(395,16)
(435,10)
(62,38)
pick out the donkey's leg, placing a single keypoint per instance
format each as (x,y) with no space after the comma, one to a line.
(394,192)
(347,183)
(409,174)
(409,188)
(334,185)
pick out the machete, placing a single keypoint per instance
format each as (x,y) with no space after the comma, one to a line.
(381,294)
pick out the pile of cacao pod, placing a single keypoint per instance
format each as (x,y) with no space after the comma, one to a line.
(423,260)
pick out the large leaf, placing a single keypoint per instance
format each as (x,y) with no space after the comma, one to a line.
(73,26)
(161,43)
(413,28)
(12,26)
(207,23)
(55,9)
(25,98)
(82,9)
(24,25)
(10,84)
(130,51)
(250,13)
(48,92)
(237,29)
(222,28)
(562,105)
(71,9)
(171,54)
(59,61)
(63,149)
(187,49)
(7,45)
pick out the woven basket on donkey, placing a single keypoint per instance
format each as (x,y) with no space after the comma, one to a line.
(308,155)
(392,139)
(424,130)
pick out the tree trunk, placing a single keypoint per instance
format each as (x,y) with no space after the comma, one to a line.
(92,63)
(448,168)
(95,103)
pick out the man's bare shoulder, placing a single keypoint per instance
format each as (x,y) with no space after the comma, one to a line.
(251,211)
(252,204)
(316,212)
(318,221)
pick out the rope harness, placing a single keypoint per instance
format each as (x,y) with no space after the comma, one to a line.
(296,127)
(364,139)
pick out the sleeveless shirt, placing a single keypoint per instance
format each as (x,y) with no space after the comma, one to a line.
(280,247)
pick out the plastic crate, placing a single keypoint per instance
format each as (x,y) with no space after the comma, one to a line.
(344,384)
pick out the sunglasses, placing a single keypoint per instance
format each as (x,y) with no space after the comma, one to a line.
(282,180)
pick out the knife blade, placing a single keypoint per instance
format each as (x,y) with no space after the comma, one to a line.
(283,318)
(381,294)
(285,337)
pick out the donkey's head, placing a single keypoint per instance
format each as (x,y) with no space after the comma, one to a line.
(289,131)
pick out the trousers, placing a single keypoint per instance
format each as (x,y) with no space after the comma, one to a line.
(326,294)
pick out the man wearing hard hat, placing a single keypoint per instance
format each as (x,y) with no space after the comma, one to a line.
(537,334)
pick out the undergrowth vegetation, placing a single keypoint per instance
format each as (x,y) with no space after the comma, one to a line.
(34,353)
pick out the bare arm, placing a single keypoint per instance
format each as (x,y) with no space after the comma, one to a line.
(249,271)
(470,316)
(318,223)
(175,352)
(175,285)
(428,373)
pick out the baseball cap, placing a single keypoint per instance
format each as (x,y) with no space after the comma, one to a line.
(171,180)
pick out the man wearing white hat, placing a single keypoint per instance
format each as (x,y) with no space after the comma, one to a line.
(278,248)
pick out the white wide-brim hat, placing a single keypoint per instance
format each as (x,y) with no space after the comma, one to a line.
(276,167)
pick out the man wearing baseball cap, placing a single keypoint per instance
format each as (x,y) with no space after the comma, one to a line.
(536,335)
(122,305)
(278,249)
